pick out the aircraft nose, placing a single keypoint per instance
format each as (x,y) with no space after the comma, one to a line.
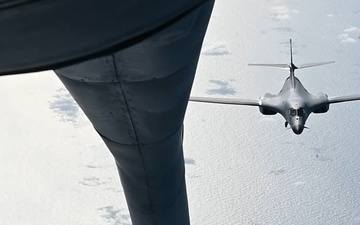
(297,129)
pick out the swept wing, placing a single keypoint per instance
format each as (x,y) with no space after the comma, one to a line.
(320,102)
(229,101)
(344,98)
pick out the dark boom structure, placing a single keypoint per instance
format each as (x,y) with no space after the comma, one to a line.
(130,67)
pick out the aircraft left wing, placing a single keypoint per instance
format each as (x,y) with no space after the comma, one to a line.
(344,98)
(229,101)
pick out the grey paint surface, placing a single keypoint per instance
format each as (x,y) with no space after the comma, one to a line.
(46,34)
(136,99)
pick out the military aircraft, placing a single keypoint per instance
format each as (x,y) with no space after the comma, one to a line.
(293,101)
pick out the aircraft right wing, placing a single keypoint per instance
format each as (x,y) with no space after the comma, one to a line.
(344,98)
(229,101)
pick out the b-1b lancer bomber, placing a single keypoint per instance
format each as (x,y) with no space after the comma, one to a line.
(293,102)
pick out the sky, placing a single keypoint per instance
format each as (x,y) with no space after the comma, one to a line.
(241,167)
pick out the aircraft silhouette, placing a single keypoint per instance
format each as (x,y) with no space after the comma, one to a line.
(293,101)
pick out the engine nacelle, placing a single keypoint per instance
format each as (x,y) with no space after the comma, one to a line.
(323,109)
(266,111)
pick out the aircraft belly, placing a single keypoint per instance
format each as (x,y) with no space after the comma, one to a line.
(146,140)
(139,111)
(53,32)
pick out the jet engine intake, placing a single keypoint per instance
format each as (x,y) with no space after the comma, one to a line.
(267,111)
(322,109)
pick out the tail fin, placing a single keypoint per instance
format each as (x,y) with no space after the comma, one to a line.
(291,65)
(291,57)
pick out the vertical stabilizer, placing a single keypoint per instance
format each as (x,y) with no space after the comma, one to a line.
(292,66)
(291,57)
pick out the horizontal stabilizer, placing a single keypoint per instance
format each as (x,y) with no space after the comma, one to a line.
(274,66)
(291,65)
(230,101)
(313,64)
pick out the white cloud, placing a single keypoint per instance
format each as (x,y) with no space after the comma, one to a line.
(348,40)
(215,49)
(65,106)
(350,35)
(282,12)
(352,30)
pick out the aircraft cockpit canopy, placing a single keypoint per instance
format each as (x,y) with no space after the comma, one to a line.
(297,112)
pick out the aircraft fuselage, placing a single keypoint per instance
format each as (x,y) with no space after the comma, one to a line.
(294,103)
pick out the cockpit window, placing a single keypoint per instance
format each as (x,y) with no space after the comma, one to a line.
(297,112)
